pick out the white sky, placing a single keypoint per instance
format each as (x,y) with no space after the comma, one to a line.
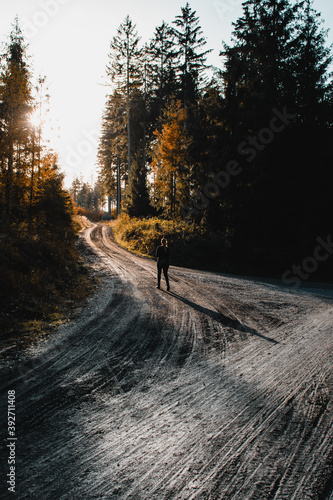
(69,42)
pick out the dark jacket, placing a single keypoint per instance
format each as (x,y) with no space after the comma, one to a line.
(163,255)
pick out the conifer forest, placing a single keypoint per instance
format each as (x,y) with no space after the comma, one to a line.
(244,149)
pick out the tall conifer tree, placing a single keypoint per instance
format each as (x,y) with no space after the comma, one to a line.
(15,108)
(162,53)
(124,69)
(192,59)
(278,60)
(312,62)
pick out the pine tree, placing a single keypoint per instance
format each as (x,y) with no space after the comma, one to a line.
(311,65)
(124,70)
(162,53)
(192,65)
(53,207)
(75,189)
(125,118)
(277,60)
(112,150)
(258,71)
(137,201)
(208,151)
(258,77)
(15,108)
(311,160)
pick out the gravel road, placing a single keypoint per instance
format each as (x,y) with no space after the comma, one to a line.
(221,388)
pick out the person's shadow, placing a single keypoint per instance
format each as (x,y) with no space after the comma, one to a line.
(221,318)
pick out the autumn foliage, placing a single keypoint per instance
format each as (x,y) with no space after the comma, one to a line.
(170,159)
(37,233)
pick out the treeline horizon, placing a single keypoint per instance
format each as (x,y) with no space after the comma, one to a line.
(247,152)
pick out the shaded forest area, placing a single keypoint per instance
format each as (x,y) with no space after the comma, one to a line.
(244,150)
(40,268)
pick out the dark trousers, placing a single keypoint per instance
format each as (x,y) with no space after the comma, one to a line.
(165,272)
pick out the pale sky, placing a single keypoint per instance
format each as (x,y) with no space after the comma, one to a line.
(69,43)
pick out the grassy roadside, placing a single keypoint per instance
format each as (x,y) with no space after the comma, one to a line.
(43,282)
(193,247)
(190,245)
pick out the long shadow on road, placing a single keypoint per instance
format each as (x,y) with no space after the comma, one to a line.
(222,318)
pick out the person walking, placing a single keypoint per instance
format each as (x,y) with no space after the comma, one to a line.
(162,256)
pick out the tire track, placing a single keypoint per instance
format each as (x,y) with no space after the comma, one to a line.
(220,389)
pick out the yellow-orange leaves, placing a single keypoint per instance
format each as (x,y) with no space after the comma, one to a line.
(169,156)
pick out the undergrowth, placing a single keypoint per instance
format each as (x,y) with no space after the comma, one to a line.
(190,244)
(42,281)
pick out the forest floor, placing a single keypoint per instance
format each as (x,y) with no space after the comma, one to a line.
(221,388)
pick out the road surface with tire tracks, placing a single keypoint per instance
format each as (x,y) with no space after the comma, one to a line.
(219,389)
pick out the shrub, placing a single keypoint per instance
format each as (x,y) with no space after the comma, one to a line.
(92,215)
(190,244)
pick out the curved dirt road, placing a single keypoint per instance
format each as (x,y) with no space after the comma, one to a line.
(219,389)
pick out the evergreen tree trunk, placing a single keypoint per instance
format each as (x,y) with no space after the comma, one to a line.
(128,108)
(32,181)
(9,197)
(129,142)
(118,189)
